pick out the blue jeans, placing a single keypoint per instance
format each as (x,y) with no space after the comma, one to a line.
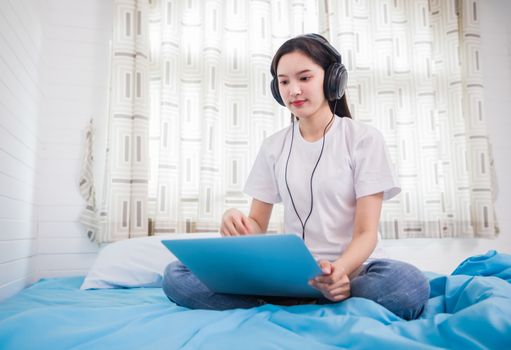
(396,285)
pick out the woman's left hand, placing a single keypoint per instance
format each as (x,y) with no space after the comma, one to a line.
(334,283)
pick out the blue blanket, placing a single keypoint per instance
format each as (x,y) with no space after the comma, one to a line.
(471,309)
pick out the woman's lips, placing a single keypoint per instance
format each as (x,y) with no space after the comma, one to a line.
(298,103)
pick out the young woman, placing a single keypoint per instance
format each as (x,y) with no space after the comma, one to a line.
(332,174)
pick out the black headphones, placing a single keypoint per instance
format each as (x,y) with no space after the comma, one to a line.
(336,75)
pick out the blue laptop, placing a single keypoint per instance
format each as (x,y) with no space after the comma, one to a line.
(266,265)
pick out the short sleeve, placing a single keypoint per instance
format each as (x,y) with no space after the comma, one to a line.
(261,183)
(373,169)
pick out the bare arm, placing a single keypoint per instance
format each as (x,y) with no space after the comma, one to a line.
(365,233)
(335,283)
(235,223)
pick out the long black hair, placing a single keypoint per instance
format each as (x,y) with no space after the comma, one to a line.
(321,56)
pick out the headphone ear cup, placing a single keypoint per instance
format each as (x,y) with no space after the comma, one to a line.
(274,85)
(336,79)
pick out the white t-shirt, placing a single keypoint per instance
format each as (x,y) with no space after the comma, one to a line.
(355,163)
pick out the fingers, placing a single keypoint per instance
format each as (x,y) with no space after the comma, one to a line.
(335,285)
(329,286)
(228,229)
(241,226)
(245,221)
(333,293)
(337,294)
(330,275)
(325,266)
(233,224)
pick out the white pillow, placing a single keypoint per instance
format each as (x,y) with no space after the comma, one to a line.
(136,262)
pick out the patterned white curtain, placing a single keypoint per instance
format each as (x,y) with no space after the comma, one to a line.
(125,190)
(414,74)
(211,105)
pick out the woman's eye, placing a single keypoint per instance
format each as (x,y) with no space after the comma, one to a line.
(305,78)
(283,82)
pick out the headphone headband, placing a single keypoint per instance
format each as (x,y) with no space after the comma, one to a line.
(325,44)
(336,76)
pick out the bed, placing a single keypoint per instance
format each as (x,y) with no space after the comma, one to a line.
(469,309)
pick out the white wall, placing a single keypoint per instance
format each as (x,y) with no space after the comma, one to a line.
(74,72)
(496,57)
(54,57)
(20,95)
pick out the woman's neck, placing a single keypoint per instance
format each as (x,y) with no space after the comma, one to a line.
(312,127)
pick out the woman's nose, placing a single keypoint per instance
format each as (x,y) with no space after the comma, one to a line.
(294,89)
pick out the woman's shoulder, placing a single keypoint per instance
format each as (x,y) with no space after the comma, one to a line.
(356,131)
(277,138)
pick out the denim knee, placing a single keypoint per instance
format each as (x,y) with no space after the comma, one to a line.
(184,289)
(170,279)
(396,285)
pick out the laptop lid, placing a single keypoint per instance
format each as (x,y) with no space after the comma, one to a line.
(269,264)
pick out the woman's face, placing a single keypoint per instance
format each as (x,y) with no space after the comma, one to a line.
(301,85)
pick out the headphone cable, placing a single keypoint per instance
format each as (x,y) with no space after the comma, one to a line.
(302,223)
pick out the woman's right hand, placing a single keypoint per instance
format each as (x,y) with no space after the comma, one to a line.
(235,223)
